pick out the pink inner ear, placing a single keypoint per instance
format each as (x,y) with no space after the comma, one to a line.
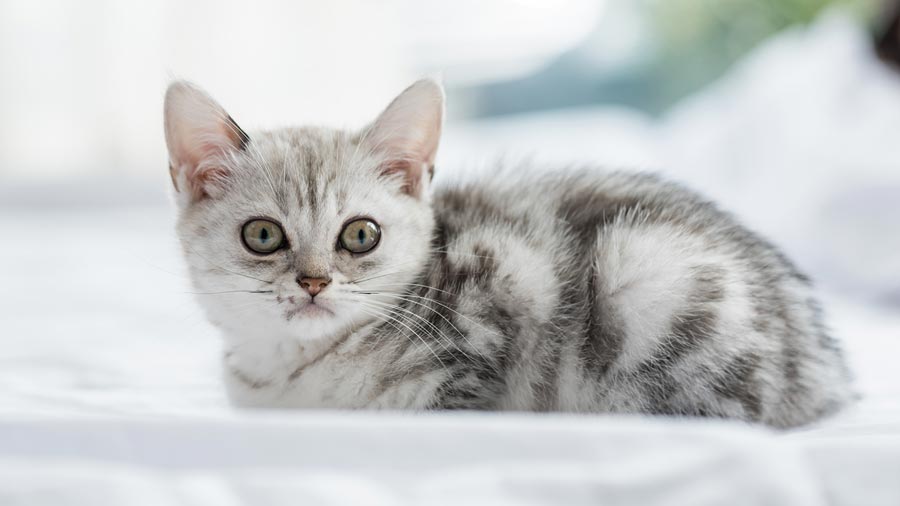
(198,132)
(411,172)
(219,134)
(407,133)
(192,151)
(198,172)
(198,151)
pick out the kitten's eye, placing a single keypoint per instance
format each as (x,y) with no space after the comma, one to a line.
(262,236)
(360,236)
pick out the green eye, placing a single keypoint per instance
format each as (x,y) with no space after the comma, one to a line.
(360,236)
(262,236)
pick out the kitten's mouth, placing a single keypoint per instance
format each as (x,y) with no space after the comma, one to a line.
(307,309)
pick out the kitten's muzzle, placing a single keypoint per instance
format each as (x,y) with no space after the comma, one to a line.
(313,285)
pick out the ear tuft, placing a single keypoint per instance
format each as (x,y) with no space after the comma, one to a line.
(198,133)
(408,132)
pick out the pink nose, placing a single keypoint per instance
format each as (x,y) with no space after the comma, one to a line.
(313,285)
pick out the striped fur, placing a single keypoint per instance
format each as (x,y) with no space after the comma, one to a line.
(586,291)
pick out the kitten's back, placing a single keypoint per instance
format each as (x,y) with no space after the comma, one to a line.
(620,292)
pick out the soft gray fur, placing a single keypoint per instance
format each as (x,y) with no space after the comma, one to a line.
(585,291)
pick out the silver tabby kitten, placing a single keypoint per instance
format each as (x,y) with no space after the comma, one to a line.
(340,279)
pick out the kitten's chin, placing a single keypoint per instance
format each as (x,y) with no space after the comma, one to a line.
(314,321)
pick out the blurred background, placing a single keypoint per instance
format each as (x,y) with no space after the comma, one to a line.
(81,86)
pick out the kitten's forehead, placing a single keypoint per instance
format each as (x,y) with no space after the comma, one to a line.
(306,171)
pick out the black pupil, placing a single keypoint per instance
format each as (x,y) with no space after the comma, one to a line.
(264,235)
(361,235)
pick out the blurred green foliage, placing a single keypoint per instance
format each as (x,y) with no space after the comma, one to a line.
(689,43)
(699,39)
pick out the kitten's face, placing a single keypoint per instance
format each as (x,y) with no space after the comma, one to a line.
(302,233)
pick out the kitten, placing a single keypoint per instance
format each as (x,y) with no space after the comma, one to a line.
(340,279)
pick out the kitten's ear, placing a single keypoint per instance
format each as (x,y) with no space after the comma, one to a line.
(407,134)
(198,133)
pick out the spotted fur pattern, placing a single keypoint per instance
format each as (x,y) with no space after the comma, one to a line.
(582,291)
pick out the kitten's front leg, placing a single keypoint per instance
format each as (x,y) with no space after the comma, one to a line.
(466,388)
(263,371)
(254,372)
(413,391)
